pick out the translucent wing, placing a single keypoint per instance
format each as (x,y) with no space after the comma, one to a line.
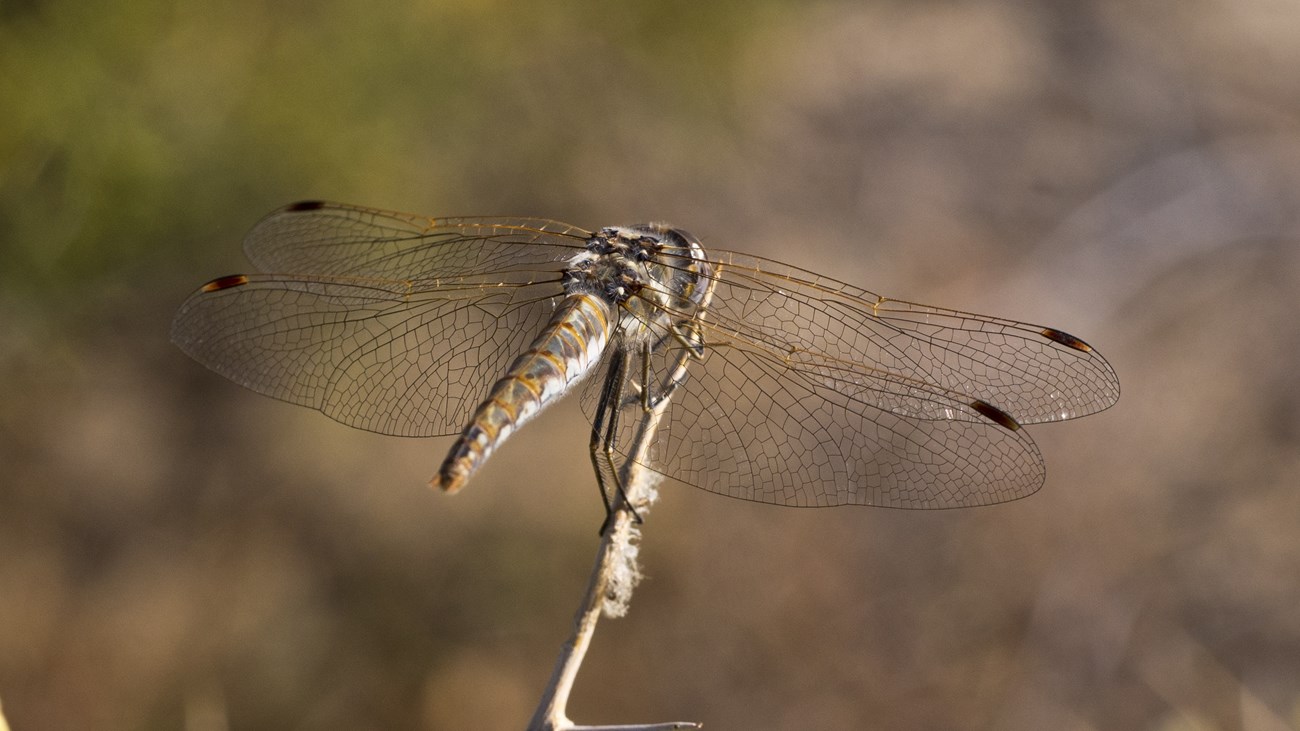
(340,240)
(387,322)
(907,358)
(813,392)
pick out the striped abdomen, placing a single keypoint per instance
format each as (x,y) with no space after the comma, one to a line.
(565,351)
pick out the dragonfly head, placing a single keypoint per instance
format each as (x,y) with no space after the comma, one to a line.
(675,264)
(648,260)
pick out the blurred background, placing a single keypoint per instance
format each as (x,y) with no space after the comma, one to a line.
(176,552)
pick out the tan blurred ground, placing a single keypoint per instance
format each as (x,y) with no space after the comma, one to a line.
(176,552)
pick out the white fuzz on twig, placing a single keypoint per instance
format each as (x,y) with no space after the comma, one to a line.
(625,572)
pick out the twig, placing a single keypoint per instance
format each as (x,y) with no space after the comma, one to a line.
(610,587)
(619,540)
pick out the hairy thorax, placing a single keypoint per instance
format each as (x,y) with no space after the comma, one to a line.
(655,275)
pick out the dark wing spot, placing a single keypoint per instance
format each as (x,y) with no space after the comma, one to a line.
(220,283)
(1066,339)
(996,415)
(305,206)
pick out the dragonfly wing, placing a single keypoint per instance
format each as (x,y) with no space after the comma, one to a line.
(809,391)
(903,357)
(379,321)
(336,239)
(370,355)
(747,426)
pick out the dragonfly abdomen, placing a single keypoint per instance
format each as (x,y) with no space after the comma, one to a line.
(563,353)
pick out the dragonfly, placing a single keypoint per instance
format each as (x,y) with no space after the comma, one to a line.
(777,385)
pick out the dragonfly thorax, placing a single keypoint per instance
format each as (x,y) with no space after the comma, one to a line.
(653,273)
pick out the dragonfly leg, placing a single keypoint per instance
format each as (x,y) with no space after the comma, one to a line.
(603,410)
(615,396)
(694,345)
(602,446)
(694,348)
(611,438)
(645,378)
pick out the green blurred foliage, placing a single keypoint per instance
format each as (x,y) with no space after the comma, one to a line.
(129,128)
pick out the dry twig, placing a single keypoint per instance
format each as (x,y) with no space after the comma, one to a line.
(613,578)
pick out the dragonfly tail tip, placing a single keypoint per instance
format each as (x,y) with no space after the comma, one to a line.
(445,484)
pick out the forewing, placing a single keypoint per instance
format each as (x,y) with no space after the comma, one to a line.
(393,331)
(902,357)
(341,240)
